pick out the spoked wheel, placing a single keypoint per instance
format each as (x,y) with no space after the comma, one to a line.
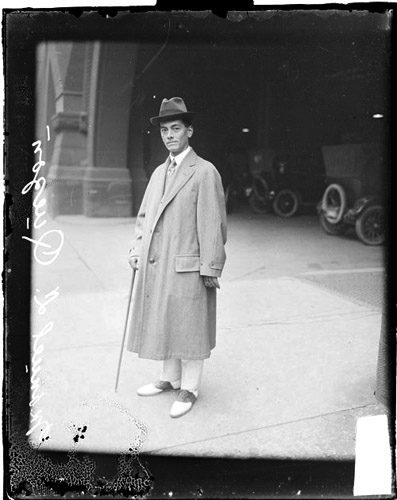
(286,203)
(333,204)
(370,226)
(333,229)
(257,205)
(261,188)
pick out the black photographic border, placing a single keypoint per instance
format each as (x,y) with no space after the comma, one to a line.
(186,477)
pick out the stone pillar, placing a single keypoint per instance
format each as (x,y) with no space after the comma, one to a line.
(68,128)
(107,183)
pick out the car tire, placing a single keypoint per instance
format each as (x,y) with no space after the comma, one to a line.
(257,205)
(370,226)
(332,229)
(334,210)
(261,188)
(286,203)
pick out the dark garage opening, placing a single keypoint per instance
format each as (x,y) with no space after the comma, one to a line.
(293,87)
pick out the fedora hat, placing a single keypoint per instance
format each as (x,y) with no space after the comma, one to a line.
(171,109)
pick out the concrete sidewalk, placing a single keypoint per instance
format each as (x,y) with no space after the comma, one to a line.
(294,365)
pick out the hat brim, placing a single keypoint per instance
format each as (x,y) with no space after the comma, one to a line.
(156,120)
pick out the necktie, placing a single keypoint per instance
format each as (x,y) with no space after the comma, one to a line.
(171,168)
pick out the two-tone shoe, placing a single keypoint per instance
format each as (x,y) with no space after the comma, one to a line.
(183,403)
(158,387)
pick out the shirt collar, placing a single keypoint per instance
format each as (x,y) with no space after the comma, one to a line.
(179,158)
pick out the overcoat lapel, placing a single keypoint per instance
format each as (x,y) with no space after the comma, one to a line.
(183,173)
(159,186)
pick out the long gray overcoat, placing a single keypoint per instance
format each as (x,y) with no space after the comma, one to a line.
(179,237)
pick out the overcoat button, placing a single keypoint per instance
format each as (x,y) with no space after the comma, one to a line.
(151,260)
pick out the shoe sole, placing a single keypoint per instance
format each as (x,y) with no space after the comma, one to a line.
(156,393)
(181,414)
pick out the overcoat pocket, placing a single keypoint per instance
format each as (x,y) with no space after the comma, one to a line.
(216,265)
(187,263)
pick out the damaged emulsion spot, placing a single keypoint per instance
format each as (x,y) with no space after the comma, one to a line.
(34,473)
(78,436)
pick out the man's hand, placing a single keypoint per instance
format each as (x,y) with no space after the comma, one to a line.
(133,262)
(211,282)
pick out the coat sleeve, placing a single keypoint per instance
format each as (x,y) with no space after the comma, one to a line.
(211,223)
(136,244)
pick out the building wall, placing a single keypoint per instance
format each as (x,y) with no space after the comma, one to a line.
(84,93)
(97,98)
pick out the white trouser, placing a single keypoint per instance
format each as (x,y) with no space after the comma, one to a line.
(187,371)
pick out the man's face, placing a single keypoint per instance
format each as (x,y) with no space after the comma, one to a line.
(175,136)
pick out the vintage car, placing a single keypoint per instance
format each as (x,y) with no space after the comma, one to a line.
(286,182)
(354,195)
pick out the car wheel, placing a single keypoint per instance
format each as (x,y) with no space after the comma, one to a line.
(257,205)
(333,229)
(333,203)
(261,188)
(285,203)
(370,226)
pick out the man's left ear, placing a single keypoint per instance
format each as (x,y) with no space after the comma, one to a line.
(190,131)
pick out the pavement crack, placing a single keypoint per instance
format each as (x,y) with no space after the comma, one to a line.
(85,264)
(254,429)
(323,272)
(299,320)
(248,274)
(343,271)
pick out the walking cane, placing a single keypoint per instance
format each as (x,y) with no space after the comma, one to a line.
(125,330)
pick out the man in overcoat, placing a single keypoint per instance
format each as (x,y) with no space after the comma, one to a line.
(178,252)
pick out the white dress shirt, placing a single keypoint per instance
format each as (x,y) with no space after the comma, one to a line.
(179,158)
